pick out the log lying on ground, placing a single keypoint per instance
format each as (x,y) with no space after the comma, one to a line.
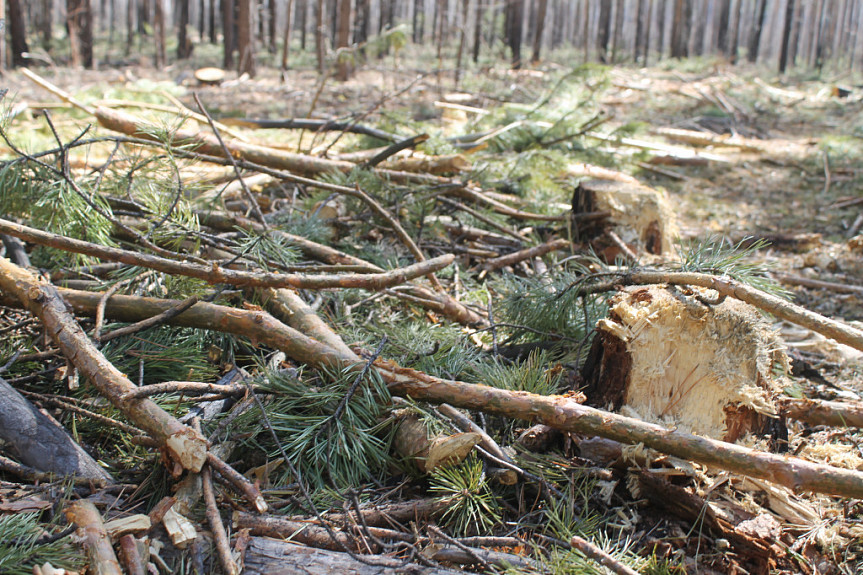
(266,556)
(38,441)
(667,356)
(263,155)
(642,217)
(185,446)
(556,411)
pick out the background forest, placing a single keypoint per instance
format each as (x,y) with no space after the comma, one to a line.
(777,33)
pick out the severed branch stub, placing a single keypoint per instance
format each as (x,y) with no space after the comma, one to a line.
(186,448)
(95,538)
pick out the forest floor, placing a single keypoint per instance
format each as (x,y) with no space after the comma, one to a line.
(785,164)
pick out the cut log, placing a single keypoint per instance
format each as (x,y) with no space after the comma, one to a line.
(40,442)
(669,357)
(275,557)
(642,217)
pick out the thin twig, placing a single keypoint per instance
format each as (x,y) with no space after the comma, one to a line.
(438,533)
(239,481)
(337,414)
(249,196)
(151,321)
(394,149)
(223,546)
(600,556)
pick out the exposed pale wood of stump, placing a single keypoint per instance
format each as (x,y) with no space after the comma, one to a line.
(641,216)
(665,355)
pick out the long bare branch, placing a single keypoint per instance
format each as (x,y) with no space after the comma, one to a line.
(555,411)
(218,275)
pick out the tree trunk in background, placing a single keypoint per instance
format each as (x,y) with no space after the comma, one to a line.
(724,7)
(159,29)
(619,8)
(639,30)
(795,33)
(585,29)
(465,6)
(477,31)
(332,10)
(363,22)
(541,10)
(45,22)
(755,38)
(786,35)
(17,32)
(130,26)
(202,19)
(143,16)
(735,36)
(211,14)
(680,29)
(245,39)
(319,34)
(79,19)
(697,25)
(304,22)
(604,31)
(228,33)
(271,25)
(343,38)
(819,36)
(491,34)
(647,32)
(514,23)
(660,24)
(289,22)
(419,21)
(184,43)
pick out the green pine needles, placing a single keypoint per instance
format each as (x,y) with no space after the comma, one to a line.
(473,508)
(21,549)
(342,452)
(532,375)
(715,255)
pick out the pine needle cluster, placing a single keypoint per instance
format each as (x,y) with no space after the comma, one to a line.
(341,452)
(719,256)
(21,547)
(472,507)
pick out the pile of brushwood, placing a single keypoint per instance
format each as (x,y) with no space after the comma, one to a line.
(344,347)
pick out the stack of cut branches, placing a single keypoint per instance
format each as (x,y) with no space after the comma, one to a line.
(385,361)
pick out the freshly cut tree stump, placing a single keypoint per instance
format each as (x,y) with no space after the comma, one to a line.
(641,217)
(672,356)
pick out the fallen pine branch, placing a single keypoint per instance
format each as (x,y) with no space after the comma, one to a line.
(94,537)
(726,287)
(815,412)
(186,447)
(218,275)
(555,411)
